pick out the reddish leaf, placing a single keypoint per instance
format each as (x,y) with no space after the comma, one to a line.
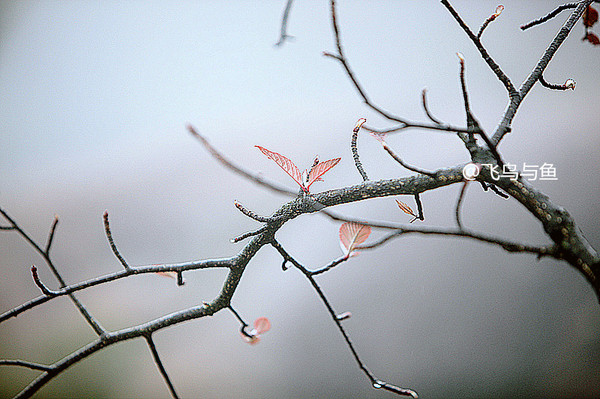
(262,325)
(590,17)
(286,164)
(319,170)
(353,234)
(405,208)
(592,38)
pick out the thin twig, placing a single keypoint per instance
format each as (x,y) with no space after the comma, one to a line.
(51,235)
(426,108)
(484,54)
(329,266)
(283,36)
(549,16)
(461,196)
(249,234)
(569,84)
(176,267)
(489,20)
(404,164)
(36,279)
(23,363)
(354,148)
(98,329)
(375,382)
(160,366)
(420,214)
(472,123)
(112,243)
(251,214)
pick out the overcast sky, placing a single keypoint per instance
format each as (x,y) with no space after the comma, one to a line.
(94,100)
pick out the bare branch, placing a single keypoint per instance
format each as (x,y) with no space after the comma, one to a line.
(51,235)
(549,16)
(23,363)
(251,214)
(41,286)
(484,54)
(160,366)
(515,101)
(426,108)
(569,84)
(354,148)
(112,243)
(283,36)
(461,196)
(489,20)
(82,309)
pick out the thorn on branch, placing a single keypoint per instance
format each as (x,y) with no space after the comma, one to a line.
(112,243)
(354,148)
(569,84)
(490,19)
(36,279)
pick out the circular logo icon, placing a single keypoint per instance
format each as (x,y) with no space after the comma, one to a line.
(471,171)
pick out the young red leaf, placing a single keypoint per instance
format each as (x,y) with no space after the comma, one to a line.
(405,208)
(592,38)
(262,325)
(353,234)
(590,17)
(319,170)
(286,164)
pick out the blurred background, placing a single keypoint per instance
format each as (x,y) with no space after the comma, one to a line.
(95,96)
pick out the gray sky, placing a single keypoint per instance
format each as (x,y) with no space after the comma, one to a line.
(94,101)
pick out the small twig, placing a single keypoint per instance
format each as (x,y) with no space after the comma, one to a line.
(509,246)
(251,214)
(375,382)
(112,243)
(82,309)
(283,36)
(404,164)
(490,19)
(494,188)
(549,16)
(426,108)
(242,322)
(248,234)
(51,235)
(472,123)
(484,54)
(160,366)
(420,214)
(36,278)
(459,202)
(23,363)
(569,84)
(329,266)
(354,148)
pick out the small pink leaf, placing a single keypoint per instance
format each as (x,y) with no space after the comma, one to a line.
(319,170)
(353,234)
(262,325)
(167,274)
(286,164)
